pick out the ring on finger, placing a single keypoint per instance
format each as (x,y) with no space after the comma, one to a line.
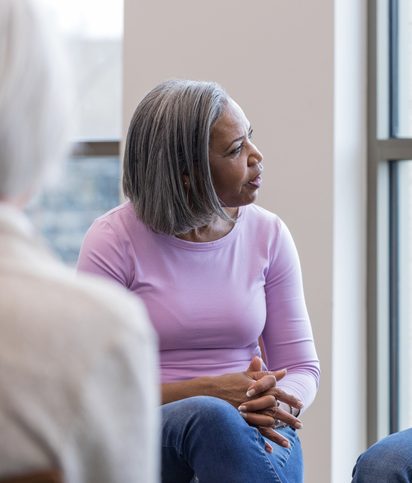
(279,424)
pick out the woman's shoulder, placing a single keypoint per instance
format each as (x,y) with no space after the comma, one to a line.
(266,228)
(124,211)
(255,214)
(119,219)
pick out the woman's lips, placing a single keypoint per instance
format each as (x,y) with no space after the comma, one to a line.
(256,182)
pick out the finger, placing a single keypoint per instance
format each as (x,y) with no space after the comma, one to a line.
(262,385)
(274,436)
(285,417)
(283,396)
(255,365)
(268,447)
(288,398)
(258,419)
(267,416)
(258,404)
(279,374)
(256,375)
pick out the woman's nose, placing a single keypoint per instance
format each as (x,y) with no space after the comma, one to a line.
(255,156)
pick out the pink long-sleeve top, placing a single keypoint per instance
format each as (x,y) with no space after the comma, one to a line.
(209,302)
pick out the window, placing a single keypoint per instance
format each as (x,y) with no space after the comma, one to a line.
(64,213)
(94,31)
(390,216)
(403,192)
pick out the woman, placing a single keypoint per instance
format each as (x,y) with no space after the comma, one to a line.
(216,273)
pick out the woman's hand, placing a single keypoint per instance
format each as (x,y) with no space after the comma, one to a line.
(254,390)
(264,413)
(267,407)
(234,387)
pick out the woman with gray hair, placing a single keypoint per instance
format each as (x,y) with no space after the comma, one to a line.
(74,395)
(218,274)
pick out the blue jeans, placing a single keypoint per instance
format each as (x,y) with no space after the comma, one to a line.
(387,461)
(206,437)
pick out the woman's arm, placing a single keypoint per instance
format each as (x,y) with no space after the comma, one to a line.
(229,387)
(287,335)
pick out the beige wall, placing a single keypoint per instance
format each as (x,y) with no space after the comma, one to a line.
(279,60)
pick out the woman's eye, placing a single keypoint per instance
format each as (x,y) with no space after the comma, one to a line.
(237,150)
(250,134)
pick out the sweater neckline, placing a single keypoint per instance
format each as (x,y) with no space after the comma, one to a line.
(206,246)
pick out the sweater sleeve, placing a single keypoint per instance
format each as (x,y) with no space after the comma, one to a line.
(287,336)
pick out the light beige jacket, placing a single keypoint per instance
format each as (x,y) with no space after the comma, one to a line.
(78,369)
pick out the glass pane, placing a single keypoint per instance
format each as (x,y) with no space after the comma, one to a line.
(405,291)
(401,68)
(63,214)
(94,32)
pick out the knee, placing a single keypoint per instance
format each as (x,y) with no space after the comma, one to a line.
(364,466)
(386,460)
(209,412)
(211,409)
(369,466)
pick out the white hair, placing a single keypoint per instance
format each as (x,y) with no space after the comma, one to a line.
(35,99)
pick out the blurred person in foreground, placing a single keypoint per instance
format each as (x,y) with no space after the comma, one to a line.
(217,274)
(78,363)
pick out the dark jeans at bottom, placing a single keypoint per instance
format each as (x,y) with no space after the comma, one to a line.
(206,437)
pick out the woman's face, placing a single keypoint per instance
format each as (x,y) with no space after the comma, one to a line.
(235,162)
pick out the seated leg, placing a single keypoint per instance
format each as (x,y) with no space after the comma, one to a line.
(208,437)
(387,461)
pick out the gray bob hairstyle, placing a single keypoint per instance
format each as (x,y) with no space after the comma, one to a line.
(167,146)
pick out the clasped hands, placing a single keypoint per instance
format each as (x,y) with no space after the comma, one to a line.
(255,395)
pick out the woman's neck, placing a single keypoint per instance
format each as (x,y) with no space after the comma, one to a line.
(217,228)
